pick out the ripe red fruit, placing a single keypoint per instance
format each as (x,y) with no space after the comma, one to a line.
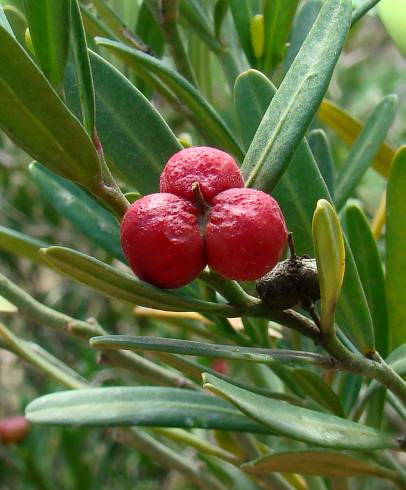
(14,429)
(161,240)
(245,234)
(214,170)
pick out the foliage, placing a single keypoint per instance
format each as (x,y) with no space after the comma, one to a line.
(100,94)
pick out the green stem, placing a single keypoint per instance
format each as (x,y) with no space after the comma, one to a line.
(34,310)
(359,12)
(230,290)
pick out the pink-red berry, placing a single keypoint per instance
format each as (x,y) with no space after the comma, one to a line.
(214,170)
(161,240)
(14,429)
(245,234)
(203,215)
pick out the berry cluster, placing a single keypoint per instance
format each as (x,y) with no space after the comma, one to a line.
(202,215)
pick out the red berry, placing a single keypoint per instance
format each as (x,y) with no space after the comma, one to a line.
(161,240)
(245,234)
(214,170)
(14,429)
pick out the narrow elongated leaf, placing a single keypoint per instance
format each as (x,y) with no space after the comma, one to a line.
(370,269)
(314,386)
(5,23)
(242,13)
(92,219)
(278,16)
(135,137)
(317,462)
(321,150)
(300,423)
(349,128)
(396,249)
(251,94)
(139,406)
(330,256)
(19,244)
(298,97)
(123,286)
(49,25)
(302,24)
(192,348)
(204,114)
(365,149)
(297,193)
(35,118)
(82,69)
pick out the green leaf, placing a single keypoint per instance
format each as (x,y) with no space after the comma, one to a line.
(242,12)
(321,150)
(139,406)
(313,385)
(48,22)
(300,423)
(370,269)
(192,348)
(36,119)
(220,12)
(6,306)
(251,93)
(5,23)
(349,128)
(330,256)
(302,24)
(111,20)
(365,149)
(19,26)
(121,285)
(393,16)
(278,16)
(297,193)
(20,244)
(395,281)
(297,99)
(135,137)
(316,462)
(204,115)
(82,69)
(76,205)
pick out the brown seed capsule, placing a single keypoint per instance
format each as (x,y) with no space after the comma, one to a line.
(290,283)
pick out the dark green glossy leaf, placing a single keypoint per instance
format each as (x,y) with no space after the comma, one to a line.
(121,285)
(321,150)
(205,116)
(395,280)
(192,348)
(365,149)
(297,193)
(302,24)
(300,423)
(220,12)
(278,16)
(135,137)
(314,386)
(35,118)
(139,406)
(252,93)
(298,98)
(370,270)
(19,244)
(49,26)
(317,462)
(82,69)
(86,214)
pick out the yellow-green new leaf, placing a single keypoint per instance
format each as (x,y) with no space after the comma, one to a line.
(6,306)
(330,256)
